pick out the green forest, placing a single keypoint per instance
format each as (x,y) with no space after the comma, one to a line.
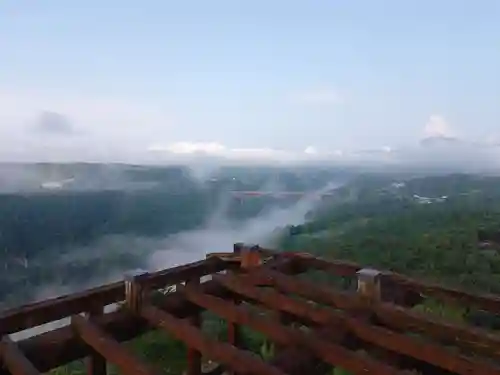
(104,211)
(444,229)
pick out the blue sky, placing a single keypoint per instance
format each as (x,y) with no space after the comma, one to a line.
(245,77)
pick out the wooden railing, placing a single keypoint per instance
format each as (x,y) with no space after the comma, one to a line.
(35,314)
(377,319)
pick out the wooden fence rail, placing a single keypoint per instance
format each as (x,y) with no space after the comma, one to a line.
(335,325)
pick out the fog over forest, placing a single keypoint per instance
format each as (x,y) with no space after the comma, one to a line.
(71,227)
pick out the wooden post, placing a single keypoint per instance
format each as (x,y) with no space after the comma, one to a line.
(14,360)
(234,333)
(369,283)
(134,290)
(237,247)
(250,256)
(285,320)
(194,356)
(95,363)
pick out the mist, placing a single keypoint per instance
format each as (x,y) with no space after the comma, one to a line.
(218,234)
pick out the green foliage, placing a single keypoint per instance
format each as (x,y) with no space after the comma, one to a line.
(436,241)
(454,314)
(267,350)
(375,223)
(340,371)
(161,350)
(74,368)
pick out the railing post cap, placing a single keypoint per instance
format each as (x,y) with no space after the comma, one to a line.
(239,246)
(368,273)
(252,247)
(135,275)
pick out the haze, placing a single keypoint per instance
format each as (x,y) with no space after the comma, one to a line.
(284,81)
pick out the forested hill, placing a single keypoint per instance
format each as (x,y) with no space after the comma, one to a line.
(47,206)
(428,226)
(441,228)
(68,226)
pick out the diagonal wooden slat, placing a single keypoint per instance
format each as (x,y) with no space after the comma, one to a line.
(328,351)
(484,301)
(123,325)
(396,342)
(38,313)
(194,356)
(242,362)
(95,363)
(384,337)
(14,360)
(110,349)
(470,338)
(308,260)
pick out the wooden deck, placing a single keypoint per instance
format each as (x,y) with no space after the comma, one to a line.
(371,330)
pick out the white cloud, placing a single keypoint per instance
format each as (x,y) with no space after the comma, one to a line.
(261,153)
(120,130)
(320,96)
(310,150)
(212,148)
(216,149)
(437,126)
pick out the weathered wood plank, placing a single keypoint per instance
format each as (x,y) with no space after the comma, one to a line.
(422,350)
(14,359)
(326,350)
(474,339)
(241,361)
(65,347)
(39,313)
(109,348)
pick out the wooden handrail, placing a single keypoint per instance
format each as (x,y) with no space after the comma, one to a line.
(39,313)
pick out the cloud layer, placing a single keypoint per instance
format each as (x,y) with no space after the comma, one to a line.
(134,132)
(439,148)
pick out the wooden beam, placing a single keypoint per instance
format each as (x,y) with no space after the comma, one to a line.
(95,362)
(240,361)
(234,334)
(483,301)
(14,359)
(39,313)
(424,351)
(123,325)
(328,351)
(193,355)
(110,349)
(296,361)
(477,340)
(185,272)
(337,267)
(454,296)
